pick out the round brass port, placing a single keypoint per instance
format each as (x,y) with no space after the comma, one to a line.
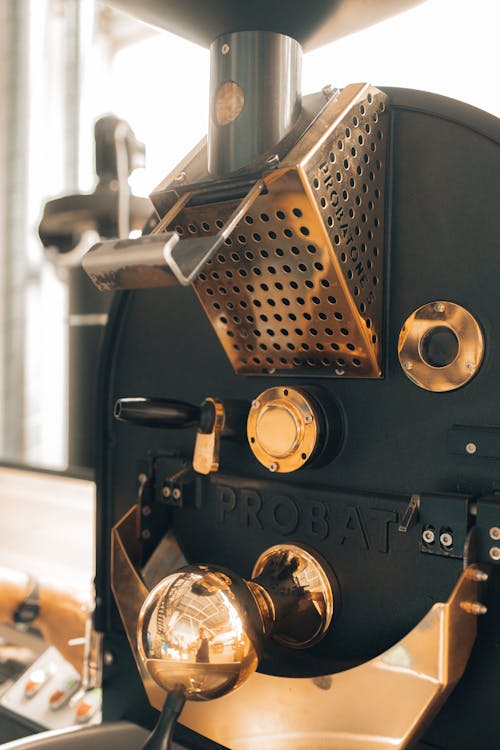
(283,429)
(440,346)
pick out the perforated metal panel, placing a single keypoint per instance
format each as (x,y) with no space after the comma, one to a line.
(298,285)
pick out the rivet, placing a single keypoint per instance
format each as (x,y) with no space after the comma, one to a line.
(469,366)
(308,419)
(166,491)
(339,372)
(273,466)
(176,493)
(495,533)
(428,536)
(408,365)
(273,160)
(438,307)
(471,448)
(108,658)
(225,48)
(146,534)
(495,553)
(146,511)
(255,404)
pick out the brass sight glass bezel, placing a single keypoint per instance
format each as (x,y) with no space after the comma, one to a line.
(283,428)
(470,346)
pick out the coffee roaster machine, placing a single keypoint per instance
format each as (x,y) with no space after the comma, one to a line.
(299,429)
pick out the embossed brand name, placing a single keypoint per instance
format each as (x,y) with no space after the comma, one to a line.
(367,527)
(344,230)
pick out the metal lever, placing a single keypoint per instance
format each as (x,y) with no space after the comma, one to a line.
(215,420)
(157,412)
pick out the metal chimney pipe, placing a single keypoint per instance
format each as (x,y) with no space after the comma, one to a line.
(255,96)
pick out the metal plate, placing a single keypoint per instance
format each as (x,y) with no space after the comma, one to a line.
(298,286)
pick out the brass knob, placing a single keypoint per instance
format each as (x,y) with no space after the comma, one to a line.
(202,630)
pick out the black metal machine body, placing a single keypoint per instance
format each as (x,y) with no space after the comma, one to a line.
(396,487)
(400,440)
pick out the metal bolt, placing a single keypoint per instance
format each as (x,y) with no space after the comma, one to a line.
(308,419)
(273,467)
(181,177)
(438,307)
(225,48)
(495,533)
(429,536)
(328,91)
(146,511)
(473,608)
(146,534)
(408,365)
(255,404)
(166,491)
(446,539)
(475,574)
(176,493)
(273,160)
(471,448)
(495,553)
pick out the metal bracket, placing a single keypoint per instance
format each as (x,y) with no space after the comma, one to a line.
(160,259)
(444,521)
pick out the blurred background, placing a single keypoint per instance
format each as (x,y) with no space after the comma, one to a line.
(65,63)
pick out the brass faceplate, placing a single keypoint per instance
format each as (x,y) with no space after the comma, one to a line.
(462,353)
(283,429)
(298,285)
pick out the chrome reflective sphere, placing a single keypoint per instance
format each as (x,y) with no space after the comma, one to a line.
(200,630)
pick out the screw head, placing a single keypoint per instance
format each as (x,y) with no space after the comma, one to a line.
(495,553)
(308,419)
(446,539)
(166,491)
(273,466)
(471,448)
(469,366)
(255,404)
(429,536)
(495,533)
(176,493)
(273,160)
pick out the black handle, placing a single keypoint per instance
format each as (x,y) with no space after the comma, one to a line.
(157,412)
(161,737)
